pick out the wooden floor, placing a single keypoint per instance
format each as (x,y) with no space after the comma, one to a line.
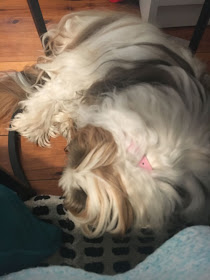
(20,46)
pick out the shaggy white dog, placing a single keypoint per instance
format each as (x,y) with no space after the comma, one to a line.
(135,109)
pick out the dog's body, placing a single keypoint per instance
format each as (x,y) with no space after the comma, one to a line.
(135,109)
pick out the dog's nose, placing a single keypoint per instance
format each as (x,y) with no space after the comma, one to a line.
(66,149)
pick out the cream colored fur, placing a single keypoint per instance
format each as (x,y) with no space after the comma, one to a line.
(87,95)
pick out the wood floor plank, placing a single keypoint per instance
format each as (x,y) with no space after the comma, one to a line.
(46,187)
(186,33)
(38,163)
(43,163)
(15,65)
(16,50)
(3,131)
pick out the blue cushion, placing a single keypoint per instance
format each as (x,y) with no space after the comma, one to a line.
(186,256)
(25,241)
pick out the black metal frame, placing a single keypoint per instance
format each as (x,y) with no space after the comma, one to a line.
(13,183)
(200,27)
(37,17)
(20,185)
(14,138)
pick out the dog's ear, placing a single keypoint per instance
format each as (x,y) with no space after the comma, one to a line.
(102,205)
(96,195)
(91,139)
(75,201)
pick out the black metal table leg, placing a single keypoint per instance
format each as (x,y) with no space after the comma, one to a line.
(37,17)
(200,26)
(24,188)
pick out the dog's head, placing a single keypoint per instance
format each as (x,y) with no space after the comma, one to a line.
(106,191)
(95,194)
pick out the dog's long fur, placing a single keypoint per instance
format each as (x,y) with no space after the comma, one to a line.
(109,81)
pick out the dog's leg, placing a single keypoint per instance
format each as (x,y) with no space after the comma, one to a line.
(64,125)
(42,118)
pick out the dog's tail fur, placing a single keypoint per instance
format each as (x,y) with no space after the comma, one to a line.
(14,87)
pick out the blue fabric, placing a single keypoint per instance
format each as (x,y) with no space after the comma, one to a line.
(186,256)
(25,241)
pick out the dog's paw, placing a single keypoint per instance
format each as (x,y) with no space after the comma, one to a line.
(34,129)
(64,125)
